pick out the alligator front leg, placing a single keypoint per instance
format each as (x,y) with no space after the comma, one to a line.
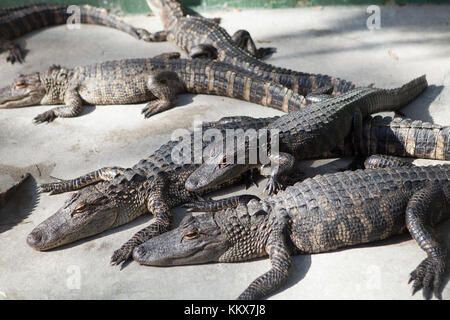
(243,40)
(103,174)
(280,260)
(73,107)
(157,205)
(426,208)
(280,166)
(164,85)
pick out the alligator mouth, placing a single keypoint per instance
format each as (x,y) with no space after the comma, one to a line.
(13,101)
(9,98)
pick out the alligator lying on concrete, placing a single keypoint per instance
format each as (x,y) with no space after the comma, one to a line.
(17,21)
(306,133)
(200,37)
(319,214)
(138,80)
(114,196)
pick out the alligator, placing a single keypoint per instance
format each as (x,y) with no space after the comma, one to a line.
(112,196)
(17,21)
(202,37)
(109,197)
(159,79)
(306,133)
(320,214)
(6,195)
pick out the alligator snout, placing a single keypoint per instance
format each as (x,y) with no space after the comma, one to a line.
(36,239)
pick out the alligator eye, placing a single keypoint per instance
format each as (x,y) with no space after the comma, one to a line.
(190,234)
(20,83)
(79,208)
(224,163)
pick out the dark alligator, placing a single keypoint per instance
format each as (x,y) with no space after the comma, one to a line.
(200,37)
(319,214)
(114,196)
(5,195)
(138,80)
(308,133)
(17,21)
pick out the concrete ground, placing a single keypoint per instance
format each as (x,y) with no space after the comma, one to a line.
(413,40)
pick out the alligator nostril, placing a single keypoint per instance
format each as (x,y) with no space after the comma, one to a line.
(34,239)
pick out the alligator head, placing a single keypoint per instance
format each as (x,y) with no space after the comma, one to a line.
(229,235)
(90,211)
(197,240)
(219,168)
(36,88)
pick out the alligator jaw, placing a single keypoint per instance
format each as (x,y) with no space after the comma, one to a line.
(197,240)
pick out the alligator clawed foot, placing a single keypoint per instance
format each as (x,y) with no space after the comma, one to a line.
(154,107)
(428,277)
(272,187)
(15,54)
(47,116)
(121,256)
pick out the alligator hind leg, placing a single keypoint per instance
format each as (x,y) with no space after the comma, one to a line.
(168,55)
(165,86)
(320,95)
(243,40)
(203,51)
(15,52)
(103,174)
(157,204)
(383,161)
(159,36)
(73,107)
(427,207)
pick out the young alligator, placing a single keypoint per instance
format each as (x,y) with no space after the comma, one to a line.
(303,134)
(112,196)
(106,204)
(17,21)
(199,37)
(319,214)
(138,80)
